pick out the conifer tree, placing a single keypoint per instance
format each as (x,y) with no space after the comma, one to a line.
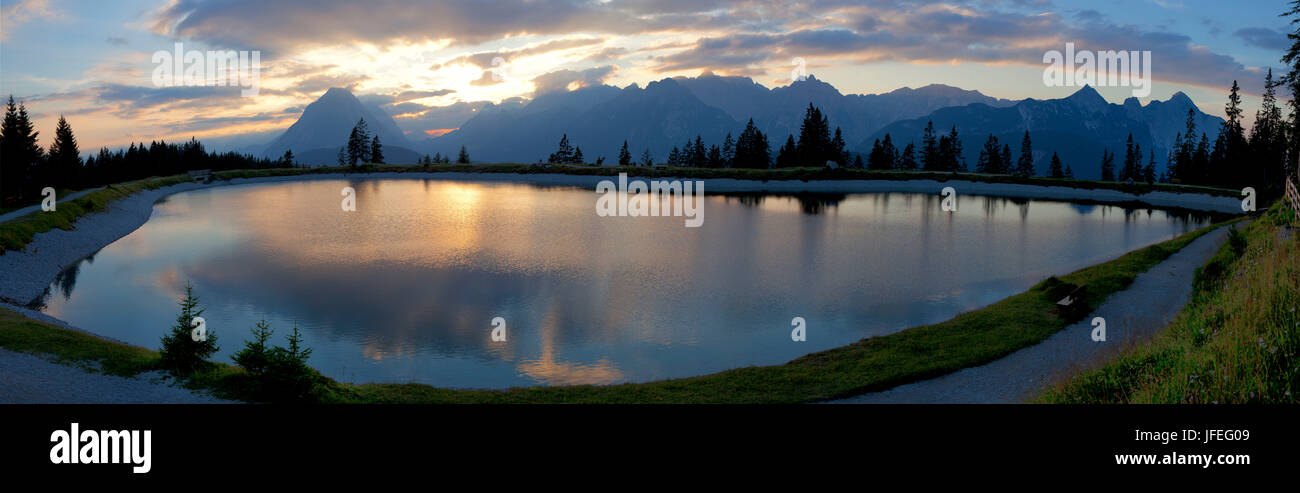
(1025,165)
(728,151)
(64,158)
(1107,165)
(907,160)
(376,150)
(19,156)
(180,353)
(624,157)
(1054,169)
(785,157)
(929,147)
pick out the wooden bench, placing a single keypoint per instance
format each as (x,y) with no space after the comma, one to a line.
(200,175)
(1073,304)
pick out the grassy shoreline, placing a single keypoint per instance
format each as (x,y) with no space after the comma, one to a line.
(1236,341)
(969,339)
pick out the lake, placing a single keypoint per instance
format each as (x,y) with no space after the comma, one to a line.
(405,288)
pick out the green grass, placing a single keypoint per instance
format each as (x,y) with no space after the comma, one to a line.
(16,233)
(877,363)
(1235,342)
(19,333)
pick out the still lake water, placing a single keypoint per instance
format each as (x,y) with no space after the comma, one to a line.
(405,288)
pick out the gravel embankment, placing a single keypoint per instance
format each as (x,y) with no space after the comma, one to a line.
(1132,315)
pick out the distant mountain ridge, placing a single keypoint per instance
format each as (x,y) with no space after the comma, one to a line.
(1077,128)
(667,112)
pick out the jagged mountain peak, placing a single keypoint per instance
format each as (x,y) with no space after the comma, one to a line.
(327,122)
(1087,96)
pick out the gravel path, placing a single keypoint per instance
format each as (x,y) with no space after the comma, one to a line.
(29,379)
(1132,315)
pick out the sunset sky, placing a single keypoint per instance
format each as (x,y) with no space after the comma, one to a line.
(427,62)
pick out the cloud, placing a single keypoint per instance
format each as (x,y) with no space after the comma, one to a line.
(409,95)
(560,80)
(16,13)
(945,34)
(489,78)
(1263,37)
(317,84)
(743,36)
(282,25)
(484,59)
(142,97)
(131,102)
(418,118)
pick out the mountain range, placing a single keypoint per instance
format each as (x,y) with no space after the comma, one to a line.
(1077,128)
(668,112)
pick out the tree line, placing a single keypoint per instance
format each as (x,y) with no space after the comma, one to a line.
(26,168)
(1233,160)
(815,147)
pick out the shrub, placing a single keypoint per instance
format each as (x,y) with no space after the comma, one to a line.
(181,354)
(255,358)
(277,374)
